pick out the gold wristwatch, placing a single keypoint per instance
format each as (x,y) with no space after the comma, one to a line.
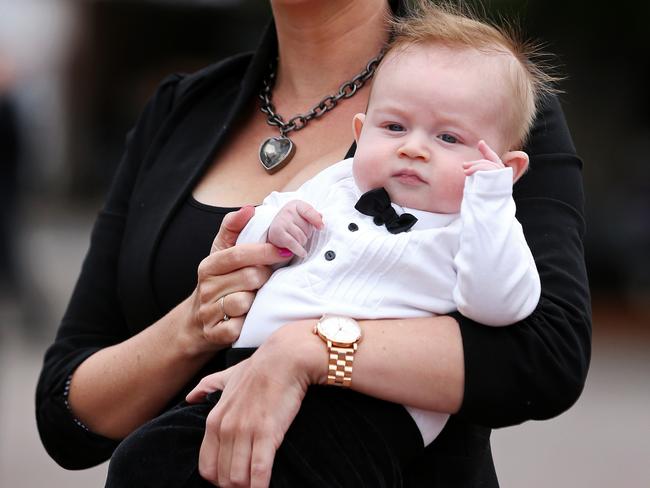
(341,334)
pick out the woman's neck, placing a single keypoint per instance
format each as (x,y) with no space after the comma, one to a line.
(323,43)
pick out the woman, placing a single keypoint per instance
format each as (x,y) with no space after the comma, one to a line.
(140,330)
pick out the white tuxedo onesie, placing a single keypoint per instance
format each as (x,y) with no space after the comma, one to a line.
(477,262)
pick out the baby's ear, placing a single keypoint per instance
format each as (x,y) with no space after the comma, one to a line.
(518,161)
(357,125)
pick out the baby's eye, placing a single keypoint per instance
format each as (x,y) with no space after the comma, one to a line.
(395,127)
(448,138)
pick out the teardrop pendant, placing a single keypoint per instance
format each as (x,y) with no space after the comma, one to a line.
(275,152)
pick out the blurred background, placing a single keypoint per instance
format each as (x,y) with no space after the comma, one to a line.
(75,74)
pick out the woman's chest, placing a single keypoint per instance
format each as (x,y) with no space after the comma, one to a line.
(236,176)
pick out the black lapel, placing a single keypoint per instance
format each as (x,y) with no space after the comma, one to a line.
(194,131)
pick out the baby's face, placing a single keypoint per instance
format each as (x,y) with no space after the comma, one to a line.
(430,106)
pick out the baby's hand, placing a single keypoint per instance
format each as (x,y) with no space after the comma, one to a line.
(293,226)
(492,160)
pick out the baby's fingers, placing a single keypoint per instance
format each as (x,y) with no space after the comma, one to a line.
(309,213)
(472,167)
(488,153)
(292,239)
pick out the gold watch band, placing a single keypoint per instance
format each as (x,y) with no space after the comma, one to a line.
(339,371)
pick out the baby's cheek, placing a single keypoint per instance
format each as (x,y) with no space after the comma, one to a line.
(452,195)
(458,194)
(365,176)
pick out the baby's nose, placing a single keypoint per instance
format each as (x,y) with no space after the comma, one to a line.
(415,147)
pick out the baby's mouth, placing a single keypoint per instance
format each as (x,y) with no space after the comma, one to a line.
(409,177)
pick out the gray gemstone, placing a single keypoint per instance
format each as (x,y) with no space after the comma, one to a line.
(275,152)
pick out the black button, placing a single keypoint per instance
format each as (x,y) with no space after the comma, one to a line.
(378,220)
(330,255)
(353,227)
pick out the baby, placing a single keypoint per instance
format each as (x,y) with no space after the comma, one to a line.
(421,221)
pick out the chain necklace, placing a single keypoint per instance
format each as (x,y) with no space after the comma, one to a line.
(275,152)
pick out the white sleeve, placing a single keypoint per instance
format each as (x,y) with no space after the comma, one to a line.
(256,230)
(497,281)
(313,191)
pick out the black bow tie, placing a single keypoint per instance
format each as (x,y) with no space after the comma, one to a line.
(376,203)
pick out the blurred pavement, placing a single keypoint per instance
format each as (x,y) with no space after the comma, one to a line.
(603,441)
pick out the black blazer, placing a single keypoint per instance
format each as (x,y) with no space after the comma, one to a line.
(532,370)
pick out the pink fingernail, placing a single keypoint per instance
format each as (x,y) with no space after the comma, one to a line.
(284,252)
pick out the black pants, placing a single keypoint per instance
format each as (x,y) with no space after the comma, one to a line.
(339,438)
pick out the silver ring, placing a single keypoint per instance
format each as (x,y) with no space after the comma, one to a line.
(222,301)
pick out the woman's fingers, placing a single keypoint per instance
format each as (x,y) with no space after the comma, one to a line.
(224,331)
(261,463)
(241,256)
(213,382)
(240,461)
(207,385)
(231,227)
(219,295)
(215,308)
(260,398)
(209,452)
(246,280)
(227,282)
(226,439)
(238,303)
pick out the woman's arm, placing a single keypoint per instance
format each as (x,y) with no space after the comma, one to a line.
(403,361)
(148,369)
(93,319)
(145,371)
(416,362)
(539,365)
(99,371)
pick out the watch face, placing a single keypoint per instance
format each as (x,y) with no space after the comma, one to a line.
(340,330)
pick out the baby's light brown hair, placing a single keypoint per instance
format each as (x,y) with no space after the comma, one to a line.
(458,26)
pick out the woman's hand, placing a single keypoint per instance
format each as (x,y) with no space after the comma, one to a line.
(228,279)
(261,397)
